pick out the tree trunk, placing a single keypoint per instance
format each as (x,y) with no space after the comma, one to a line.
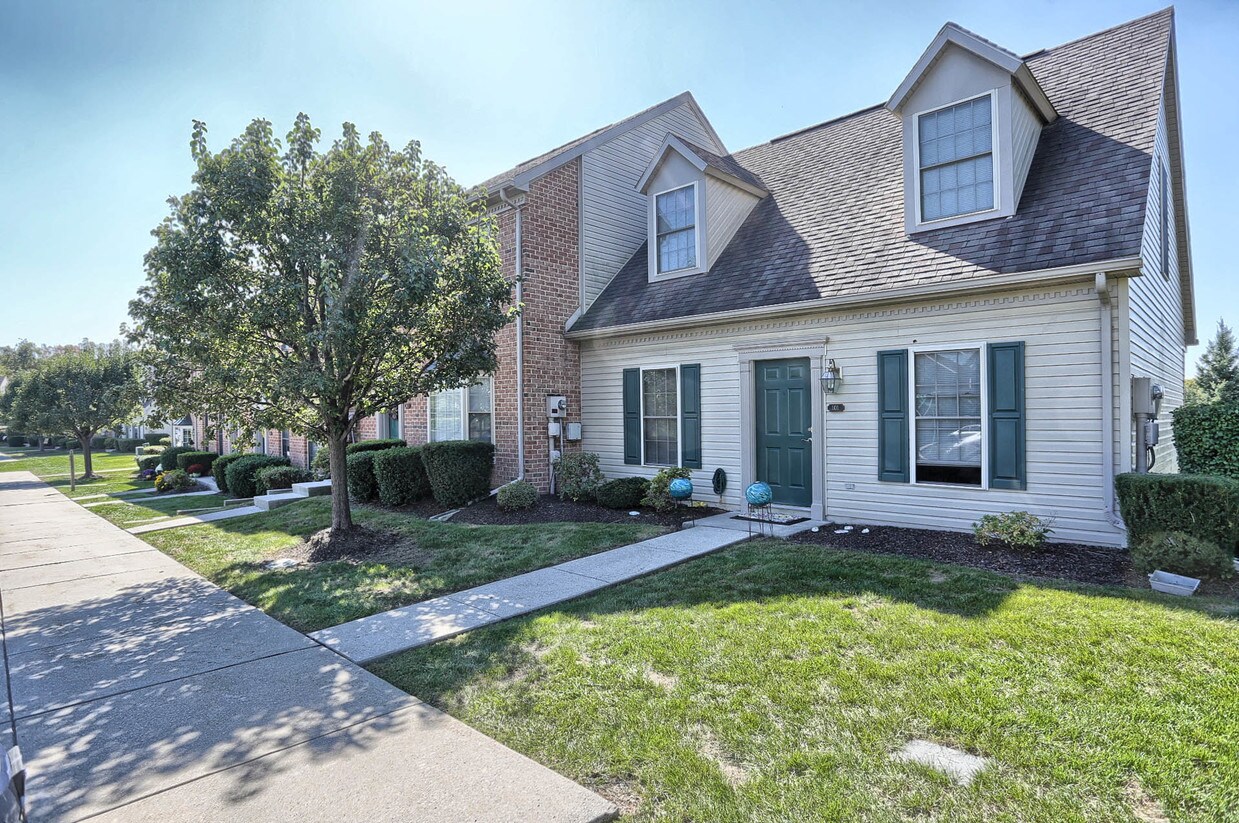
(84,442)
(341,514)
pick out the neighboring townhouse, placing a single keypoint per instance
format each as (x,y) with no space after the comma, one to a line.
(914,314)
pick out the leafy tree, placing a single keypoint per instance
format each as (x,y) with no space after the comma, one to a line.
(305,289)
(1217,371)
(77,392)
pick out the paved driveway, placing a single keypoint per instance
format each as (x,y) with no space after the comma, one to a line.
(141,691)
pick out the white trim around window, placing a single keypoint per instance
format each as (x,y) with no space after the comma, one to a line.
(698,265)
(679,410)
(983,371)
(462,408)
(994,152)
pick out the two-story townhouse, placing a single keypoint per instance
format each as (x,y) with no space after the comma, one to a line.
(914,314)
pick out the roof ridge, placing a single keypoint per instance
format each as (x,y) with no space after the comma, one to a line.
(780,138)
(1167,11)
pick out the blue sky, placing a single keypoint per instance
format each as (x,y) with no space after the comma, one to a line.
(97,98)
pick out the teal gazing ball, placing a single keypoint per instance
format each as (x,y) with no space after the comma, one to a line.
(759,494)
(680,488)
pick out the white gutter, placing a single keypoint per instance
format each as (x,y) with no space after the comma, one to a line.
(1101,285)
(518,207)
(1125,266)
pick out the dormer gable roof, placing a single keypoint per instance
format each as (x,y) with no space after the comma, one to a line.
(953,34)
(724,167)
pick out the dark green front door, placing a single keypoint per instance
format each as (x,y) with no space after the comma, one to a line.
(784,433)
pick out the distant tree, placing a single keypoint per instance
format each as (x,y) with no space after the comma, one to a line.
(77,392)
(305,290)
(1192,393)
(1217,371)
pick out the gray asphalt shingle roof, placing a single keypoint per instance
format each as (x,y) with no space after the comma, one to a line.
(833,224)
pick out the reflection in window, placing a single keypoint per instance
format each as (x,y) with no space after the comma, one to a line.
(948,416)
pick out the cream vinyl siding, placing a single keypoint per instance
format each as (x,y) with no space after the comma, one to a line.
(726,208)
(1025,132)
(613,212)
(1155,312)
(1061,330)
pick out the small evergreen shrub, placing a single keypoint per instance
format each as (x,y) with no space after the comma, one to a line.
(56,441)
(150,461)
(71,443)
(362,487)
(166,440)
(154,438)
(170,455)
(400,476)
(578,476)
(98,443)
(174,481)
(459,470)
(321,464)
(1200,505)
(273,478)
(373,445)
(1017,530)
(1181,553)
(128,444)
(1206,438)
(109,443)
(186,459)
(519,495)
(622,493)
(220,468)
(658,495)
(242,474)
(152,449)
(16,440)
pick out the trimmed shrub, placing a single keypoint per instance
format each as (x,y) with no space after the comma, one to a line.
(109,442)
(128,444)
(72,443)
(321,463)
(98,443)
(622,493)
(1206,438)
(242,473)
(168,463)
(658,495)
(16,440)
(56,441)
(459,470)
(151,449)
(362,487)
(1200,505)
(220,468)
(577,475)
(400,476)
(148,462)
(154,438)
(374,445)
(279,477)
(187,459)
(166,440)
(174,481)
(1181,553)
(519,495)
(1018,530)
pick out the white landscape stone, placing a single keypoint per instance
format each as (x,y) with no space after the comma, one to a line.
(955,764)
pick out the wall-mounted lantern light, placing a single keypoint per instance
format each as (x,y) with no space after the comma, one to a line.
(832,377)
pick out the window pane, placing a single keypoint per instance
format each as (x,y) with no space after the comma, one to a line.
(445,415)
(956,156)
(479,396)
(674,210)
(660,422)
(675,219)
(947,388)
(480,426)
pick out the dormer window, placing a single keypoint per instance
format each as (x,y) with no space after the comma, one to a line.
(956,159)
(675,214)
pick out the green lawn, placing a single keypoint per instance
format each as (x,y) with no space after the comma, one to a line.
(438,558)
(148,508)
(53,467)
(772,681)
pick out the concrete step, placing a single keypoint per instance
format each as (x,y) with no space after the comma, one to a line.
(312,489)
(267,502)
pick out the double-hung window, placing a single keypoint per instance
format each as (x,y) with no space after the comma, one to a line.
(675,218)
(463,414)
(955,149)
(286,443)
(948,416)
(660,417)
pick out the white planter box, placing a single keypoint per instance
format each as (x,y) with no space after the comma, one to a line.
(1173,583)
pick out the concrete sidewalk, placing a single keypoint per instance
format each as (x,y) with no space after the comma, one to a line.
(430,621)
(141,691)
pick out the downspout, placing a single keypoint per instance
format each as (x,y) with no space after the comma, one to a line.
(1101,285)
(518,207)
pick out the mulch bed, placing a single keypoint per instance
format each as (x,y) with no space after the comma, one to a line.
(551,509)
(1059,561)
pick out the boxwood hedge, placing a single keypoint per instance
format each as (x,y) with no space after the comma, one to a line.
(205,459)
(242,474)
(1206,438)
(168,463)
(373,445)
(400,476)
(274,478)
(1200,505)
(459,470)
(362,487)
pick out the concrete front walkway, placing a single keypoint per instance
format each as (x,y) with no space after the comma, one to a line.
(420,624)
(140,691)
(195,519)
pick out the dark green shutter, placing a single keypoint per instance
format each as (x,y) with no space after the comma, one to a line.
(690,416)
(632,416)
(1006,416)
(893,416)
